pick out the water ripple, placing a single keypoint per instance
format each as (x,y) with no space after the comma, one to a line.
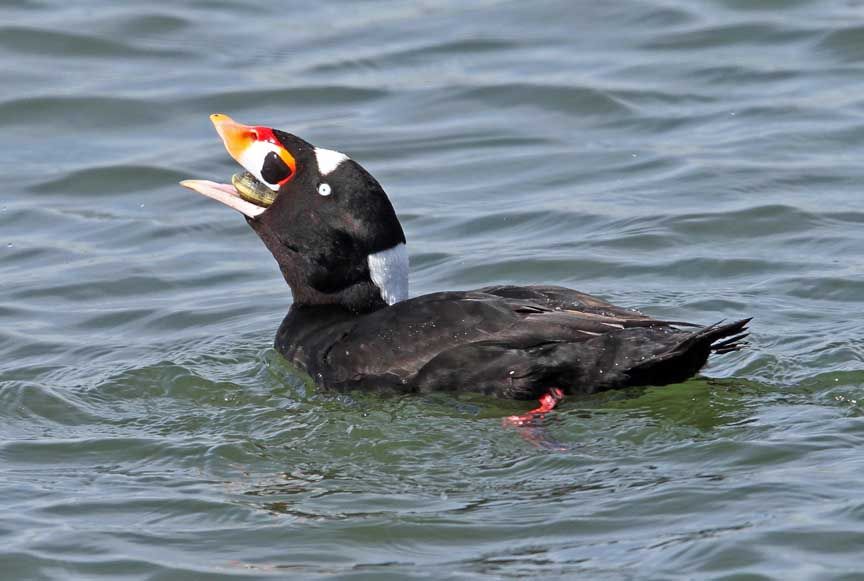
(699,161)
(40,41)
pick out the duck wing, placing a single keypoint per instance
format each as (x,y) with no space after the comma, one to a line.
(527,366)
(558,298)
(506,340)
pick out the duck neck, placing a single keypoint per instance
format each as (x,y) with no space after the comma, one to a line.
(338,276)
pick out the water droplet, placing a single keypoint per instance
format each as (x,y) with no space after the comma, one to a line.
(10,245)
(140,205)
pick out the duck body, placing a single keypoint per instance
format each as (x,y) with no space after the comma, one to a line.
(506,341)
(341,249)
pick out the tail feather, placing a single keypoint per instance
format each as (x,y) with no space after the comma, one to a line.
(731,344)
(687,357)
(720,336)
(717,338)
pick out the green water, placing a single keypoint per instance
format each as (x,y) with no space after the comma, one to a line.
(699,160)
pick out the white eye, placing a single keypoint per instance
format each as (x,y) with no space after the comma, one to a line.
(324,189)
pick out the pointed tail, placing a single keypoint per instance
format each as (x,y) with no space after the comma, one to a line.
(687,357)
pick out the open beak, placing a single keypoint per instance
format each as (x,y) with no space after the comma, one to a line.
(237,138)
(225,193)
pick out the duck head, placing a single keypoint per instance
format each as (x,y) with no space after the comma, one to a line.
(325,219)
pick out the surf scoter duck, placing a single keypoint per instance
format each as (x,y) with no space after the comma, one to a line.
(341,248)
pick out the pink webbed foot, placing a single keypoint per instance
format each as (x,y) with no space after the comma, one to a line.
(548,401)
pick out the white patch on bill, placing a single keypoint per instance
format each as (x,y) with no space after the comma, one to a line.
(328,160)
(389,272)
(252,160)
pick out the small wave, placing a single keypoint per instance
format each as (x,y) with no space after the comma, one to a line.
(44,42)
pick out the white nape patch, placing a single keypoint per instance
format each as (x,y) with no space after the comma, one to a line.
(389,271)
(328,160)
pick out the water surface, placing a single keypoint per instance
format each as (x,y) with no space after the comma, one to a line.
(698,160)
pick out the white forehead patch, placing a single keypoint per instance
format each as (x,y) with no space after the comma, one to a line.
(389,272)
(328,160)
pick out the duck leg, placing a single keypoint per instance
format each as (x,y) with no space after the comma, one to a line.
(548,401)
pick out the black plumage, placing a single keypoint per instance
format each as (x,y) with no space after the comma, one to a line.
(507,341)
(340,247)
